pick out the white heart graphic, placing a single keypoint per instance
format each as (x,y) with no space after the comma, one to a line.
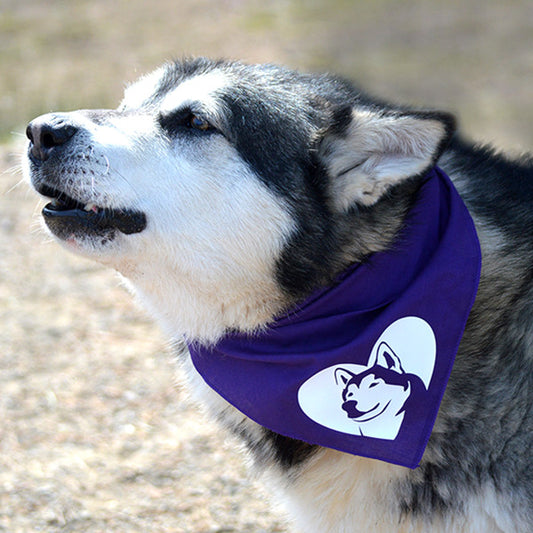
(407,346)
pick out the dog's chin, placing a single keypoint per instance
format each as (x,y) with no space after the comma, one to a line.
(98,238)
(87,228)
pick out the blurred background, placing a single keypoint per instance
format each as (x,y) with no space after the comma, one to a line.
(472,57)
(96,434)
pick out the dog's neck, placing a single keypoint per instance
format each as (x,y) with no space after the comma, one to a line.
(200,312)
(352,237)
(187,305)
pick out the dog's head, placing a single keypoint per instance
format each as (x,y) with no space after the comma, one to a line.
(226,192)
(379,391)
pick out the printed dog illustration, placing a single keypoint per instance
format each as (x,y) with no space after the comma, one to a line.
(379,395)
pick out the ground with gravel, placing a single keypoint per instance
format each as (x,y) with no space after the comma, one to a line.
(97,434)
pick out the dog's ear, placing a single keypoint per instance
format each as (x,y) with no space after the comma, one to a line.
(386,358)
(368,151)
(342,376)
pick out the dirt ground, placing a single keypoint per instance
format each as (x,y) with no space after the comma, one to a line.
(96,433)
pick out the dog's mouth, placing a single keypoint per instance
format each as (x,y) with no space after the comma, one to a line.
(66,216)
(363,416)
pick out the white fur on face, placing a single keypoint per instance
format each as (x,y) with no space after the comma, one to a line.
(213,238)
(217,230)
(206,260)
(141,90)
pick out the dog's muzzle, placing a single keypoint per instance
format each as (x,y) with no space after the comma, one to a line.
(50,136)
(351,409)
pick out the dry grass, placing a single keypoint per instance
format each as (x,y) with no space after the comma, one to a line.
(95,434)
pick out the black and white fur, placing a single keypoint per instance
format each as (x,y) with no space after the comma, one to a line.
(260,184)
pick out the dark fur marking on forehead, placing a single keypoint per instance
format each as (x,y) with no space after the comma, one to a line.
(275,118)
(178,71)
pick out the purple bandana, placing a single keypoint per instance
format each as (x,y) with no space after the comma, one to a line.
(362,366)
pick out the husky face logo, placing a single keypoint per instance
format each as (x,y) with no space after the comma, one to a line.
(381,391)
(375,399)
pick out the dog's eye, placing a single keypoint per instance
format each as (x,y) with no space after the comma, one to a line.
(173,123)
(198,123)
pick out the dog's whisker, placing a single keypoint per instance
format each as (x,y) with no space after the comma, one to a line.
(15,186)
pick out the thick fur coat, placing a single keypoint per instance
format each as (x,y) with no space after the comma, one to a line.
(226,193)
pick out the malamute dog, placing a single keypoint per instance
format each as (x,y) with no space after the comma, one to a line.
(235,198)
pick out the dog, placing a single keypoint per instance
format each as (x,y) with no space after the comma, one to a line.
(227,194)
(380,394)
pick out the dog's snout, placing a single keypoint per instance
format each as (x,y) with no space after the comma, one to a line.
(48,132)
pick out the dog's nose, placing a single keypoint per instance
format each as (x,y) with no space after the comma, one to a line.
(47,132)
